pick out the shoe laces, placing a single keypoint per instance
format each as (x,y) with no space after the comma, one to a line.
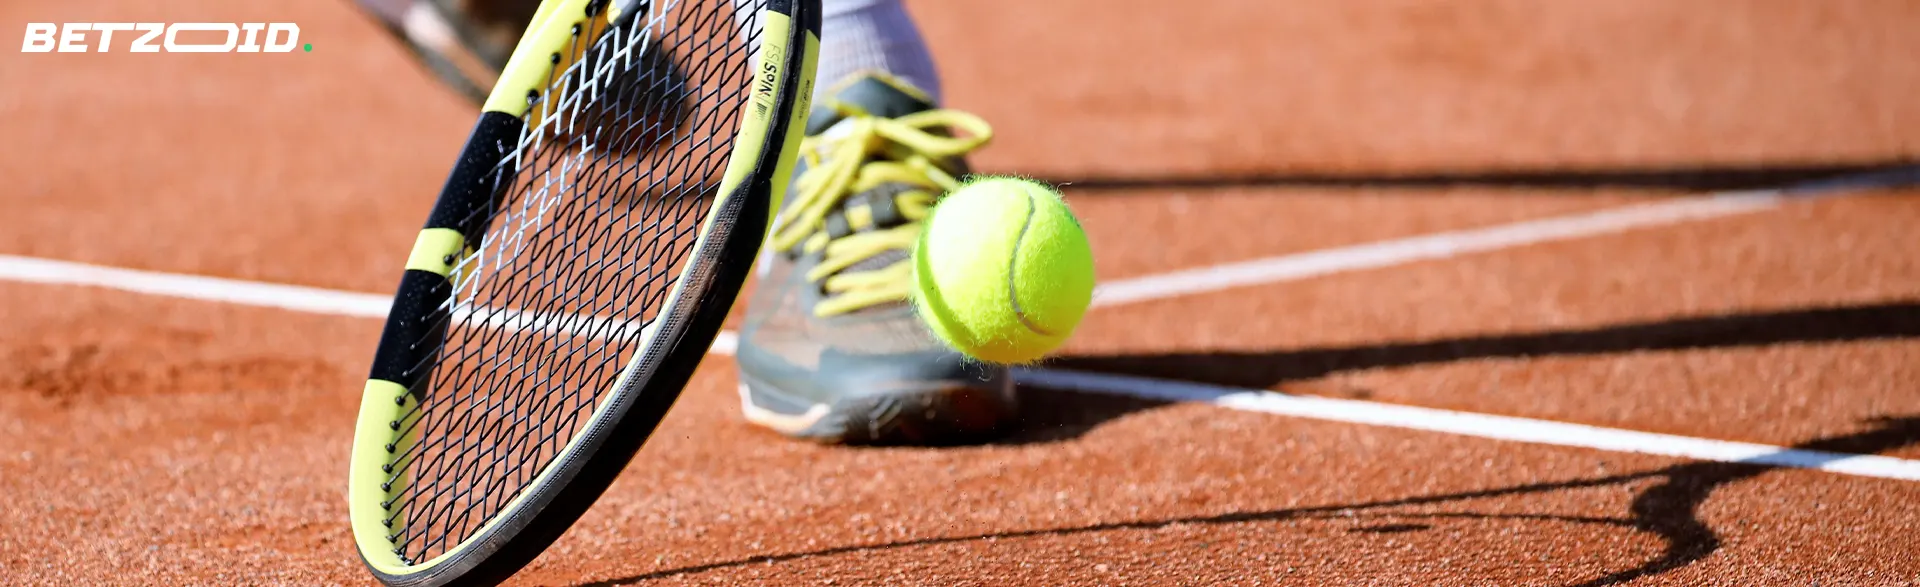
(865,152)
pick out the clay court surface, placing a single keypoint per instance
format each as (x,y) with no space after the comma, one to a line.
(154,439)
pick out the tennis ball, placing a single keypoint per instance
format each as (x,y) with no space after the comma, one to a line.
(1002,271)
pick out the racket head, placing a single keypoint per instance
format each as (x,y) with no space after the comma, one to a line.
(573,272)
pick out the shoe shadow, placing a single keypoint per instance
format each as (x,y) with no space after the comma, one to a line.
(1668,509)
(1055,415)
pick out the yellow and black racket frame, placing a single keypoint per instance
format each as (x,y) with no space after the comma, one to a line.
(756,178)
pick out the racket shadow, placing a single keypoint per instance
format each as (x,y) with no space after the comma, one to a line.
(1056,415)
(1669,509)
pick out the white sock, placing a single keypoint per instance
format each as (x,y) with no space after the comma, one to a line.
(860,35)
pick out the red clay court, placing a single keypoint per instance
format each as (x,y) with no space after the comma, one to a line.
(1394,293)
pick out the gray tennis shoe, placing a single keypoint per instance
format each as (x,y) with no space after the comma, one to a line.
(831,350)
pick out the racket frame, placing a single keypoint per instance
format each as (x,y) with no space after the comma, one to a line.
(756,178)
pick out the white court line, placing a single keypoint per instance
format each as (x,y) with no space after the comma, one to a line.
(1472,424)
(1152,287)
(194,287)
(1270,270)
(1428,247)
(1166,285)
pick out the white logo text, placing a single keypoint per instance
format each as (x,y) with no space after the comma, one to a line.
(156,37)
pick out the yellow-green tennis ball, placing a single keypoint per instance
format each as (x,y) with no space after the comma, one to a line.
(1002,271)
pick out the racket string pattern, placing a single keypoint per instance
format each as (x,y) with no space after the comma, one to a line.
(597,210)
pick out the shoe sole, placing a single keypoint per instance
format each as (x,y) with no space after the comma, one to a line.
(937,415)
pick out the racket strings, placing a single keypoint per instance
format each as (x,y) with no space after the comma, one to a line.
(485,437)
(608,191)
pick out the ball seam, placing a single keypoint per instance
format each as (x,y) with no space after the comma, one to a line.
(1013,265)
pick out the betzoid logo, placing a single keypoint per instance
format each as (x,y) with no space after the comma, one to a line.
(157,37)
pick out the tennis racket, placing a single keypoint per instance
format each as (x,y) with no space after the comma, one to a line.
(588,243)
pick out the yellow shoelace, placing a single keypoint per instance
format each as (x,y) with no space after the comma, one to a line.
(867,153)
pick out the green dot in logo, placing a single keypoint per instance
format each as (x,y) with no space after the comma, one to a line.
(309,47)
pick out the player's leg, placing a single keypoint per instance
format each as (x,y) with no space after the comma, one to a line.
(830,349)
(873,35)
(466,42)
(463,42)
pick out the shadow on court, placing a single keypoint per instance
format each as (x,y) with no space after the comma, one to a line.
(1669,509)
(1053,415)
